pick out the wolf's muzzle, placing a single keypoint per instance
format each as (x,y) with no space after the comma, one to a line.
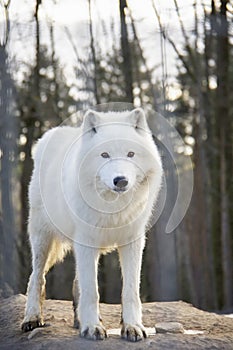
(120,183)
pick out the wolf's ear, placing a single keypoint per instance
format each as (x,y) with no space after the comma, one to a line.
(91,121)
(138,119)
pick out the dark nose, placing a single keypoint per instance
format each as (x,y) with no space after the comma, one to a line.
(120,182)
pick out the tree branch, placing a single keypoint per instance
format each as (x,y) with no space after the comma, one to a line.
(148,73)
(180,56)
(187,45)
(7,22)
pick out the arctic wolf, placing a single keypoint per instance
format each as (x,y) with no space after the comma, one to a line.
(93,189)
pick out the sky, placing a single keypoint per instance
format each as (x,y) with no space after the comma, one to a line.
(73,15)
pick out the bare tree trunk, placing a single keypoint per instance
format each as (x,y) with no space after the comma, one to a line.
(27,165)
(110,278)
(54,67)
(126,52)
(37,66)
(223,120)
(24,251)
(162,265)
(97,98)
(8,275)
(207,287)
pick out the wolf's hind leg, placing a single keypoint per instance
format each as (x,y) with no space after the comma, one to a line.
(41,243)
(36,287)
(75,292)
(46,251)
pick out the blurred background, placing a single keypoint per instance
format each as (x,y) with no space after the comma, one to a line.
(58,57)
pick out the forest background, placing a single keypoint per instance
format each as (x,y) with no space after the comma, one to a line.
(174,58)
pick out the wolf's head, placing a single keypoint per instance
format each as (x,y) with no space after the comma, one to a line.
(120,153)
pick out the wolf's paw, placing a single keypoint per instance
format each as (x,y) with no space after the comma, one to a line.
(32,324)
(133,332)
(95,332)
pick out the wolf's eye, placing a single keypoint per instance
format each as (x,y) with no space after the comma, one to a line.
(105,155)
(130,154)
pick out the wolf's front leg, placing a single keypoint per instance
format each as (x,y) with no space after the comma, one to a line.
(131,260)
(88,309)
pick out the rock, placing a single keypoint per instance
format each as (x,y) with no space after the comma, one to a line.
(35,332)
(169,327)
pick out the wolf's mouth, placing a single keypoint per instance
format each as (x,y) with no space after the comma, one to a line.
(120,190)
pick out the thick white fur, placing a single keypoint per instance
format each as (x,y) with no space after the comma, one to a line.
(73,203)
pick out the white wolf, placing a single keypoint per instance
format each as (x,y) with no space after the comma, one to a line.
(93,189)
